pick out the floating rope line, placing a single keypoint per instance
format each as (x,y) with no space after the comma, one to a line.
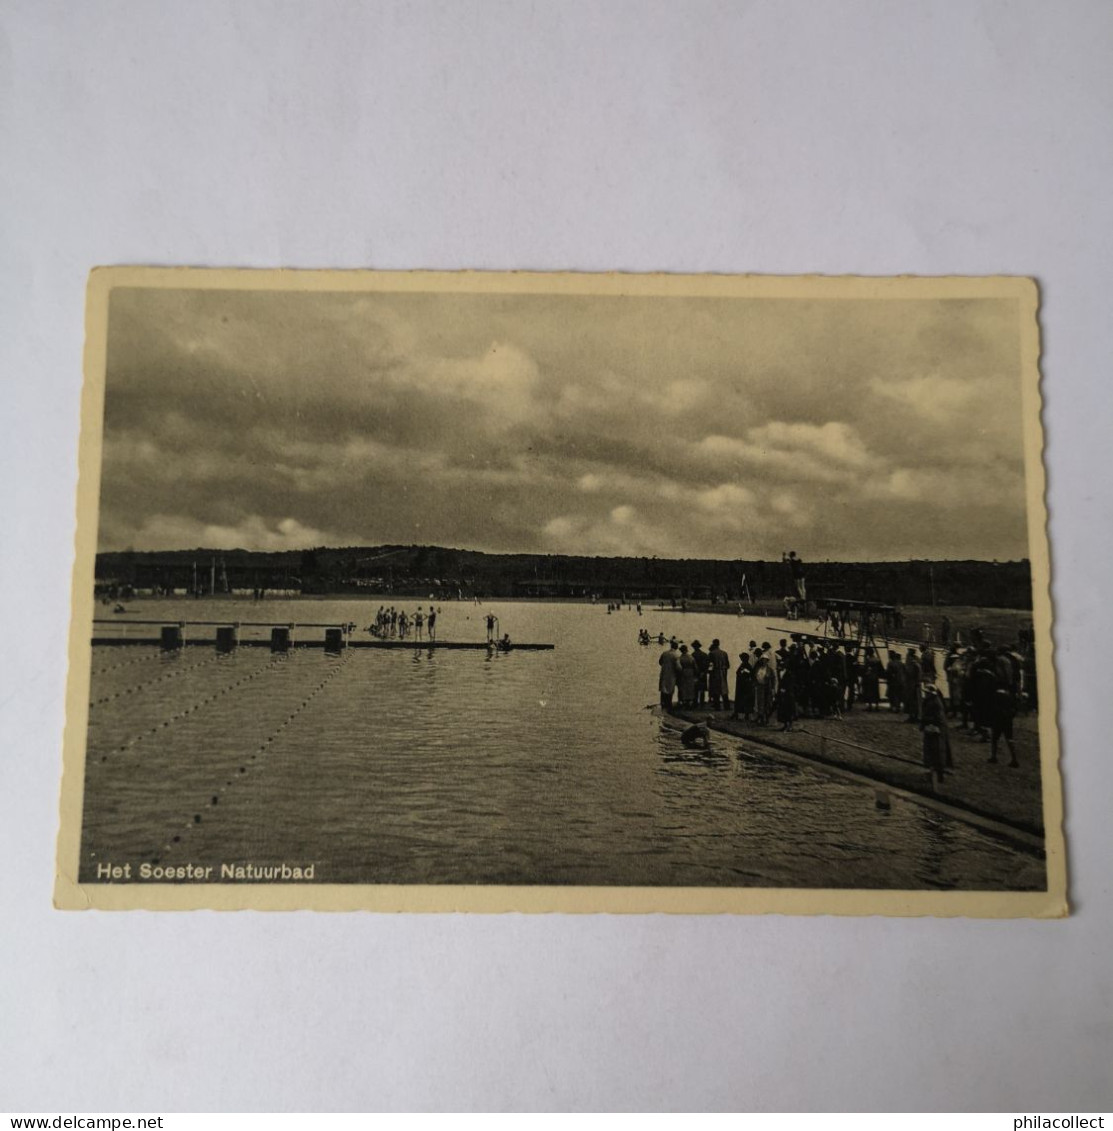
(195,707)
(244,768)
(122,694)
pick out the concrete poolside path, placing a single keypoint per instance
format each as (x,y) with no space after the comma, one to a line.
(881,746)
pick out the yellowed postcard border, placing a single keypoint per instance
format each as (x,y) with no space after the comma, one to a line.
(70,894)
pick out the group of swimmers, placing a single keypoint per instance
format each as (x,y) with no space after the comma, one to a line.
(986,687)
(392,623)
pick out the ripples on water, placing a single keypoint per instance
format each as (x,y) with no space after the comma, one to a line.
(459,767)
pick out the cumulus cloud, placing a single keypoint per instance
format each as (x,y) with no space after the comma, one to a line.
(792,451)
(173,532)
(621,532)
(724,497)
(689,427)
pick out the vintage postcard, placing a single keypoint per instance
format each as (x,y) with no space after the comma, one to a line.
(420,591)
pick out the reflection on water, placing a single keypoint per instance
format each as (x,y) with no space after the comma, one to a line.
(464,767)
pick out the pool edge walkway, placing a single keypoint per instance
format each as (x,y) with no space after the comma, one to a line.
(996,823)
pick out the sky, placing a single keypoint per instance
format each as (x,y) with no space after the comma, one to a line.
(696,427)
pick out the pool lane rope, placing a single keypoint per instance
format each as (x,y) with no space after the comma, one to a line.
(123,693)
(243,770)
(178,715)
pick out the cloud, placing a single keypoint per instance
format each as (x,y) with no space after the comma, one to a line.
(501,380)
(989,486)
(621,532)
(726,498)
(792,451)
(692,427)
(172,532)
(835,441)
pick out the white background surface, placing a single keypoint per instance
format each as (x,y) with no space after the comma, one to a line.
(768,137)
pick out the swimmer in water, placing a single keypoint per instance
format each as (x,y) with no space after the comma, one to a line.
(697,736)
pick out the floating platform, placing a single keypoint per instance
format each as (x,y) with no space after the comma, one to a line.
(411,645)
(172,636)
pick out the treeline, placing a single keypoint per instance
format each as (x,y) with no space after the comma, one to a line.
(416,570)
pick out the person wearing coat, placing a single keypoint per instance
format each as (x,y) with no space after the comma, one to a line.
(786,700)
(894,679)
(688,678)
(933,727)
(872,671)
(954,668)
(765,688)
(744,688)
(912,675)
(982,685)
(718,689)
(703,665)
(670,671)
(928,672)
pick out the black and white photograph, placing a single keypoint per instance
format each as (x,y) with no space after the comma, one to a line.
(561,592)
(556,560)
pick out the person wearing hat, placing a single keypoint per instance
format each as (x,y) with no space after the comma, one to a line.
(719,677)
(1001,715)
(872,672)
(703,666)
(765,689)
(912,686)
(744,688)
(670,673)
(786,699)
(933,726)
(687,678)
(894,682)
(928,671)
(982,684)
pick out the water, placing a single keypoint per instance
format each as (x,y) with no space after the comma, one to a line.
(460,767)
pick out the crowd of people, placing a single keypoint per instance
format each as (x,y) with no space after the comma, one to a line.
(421,624)
(804,677)
(398,624)
(616,606)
